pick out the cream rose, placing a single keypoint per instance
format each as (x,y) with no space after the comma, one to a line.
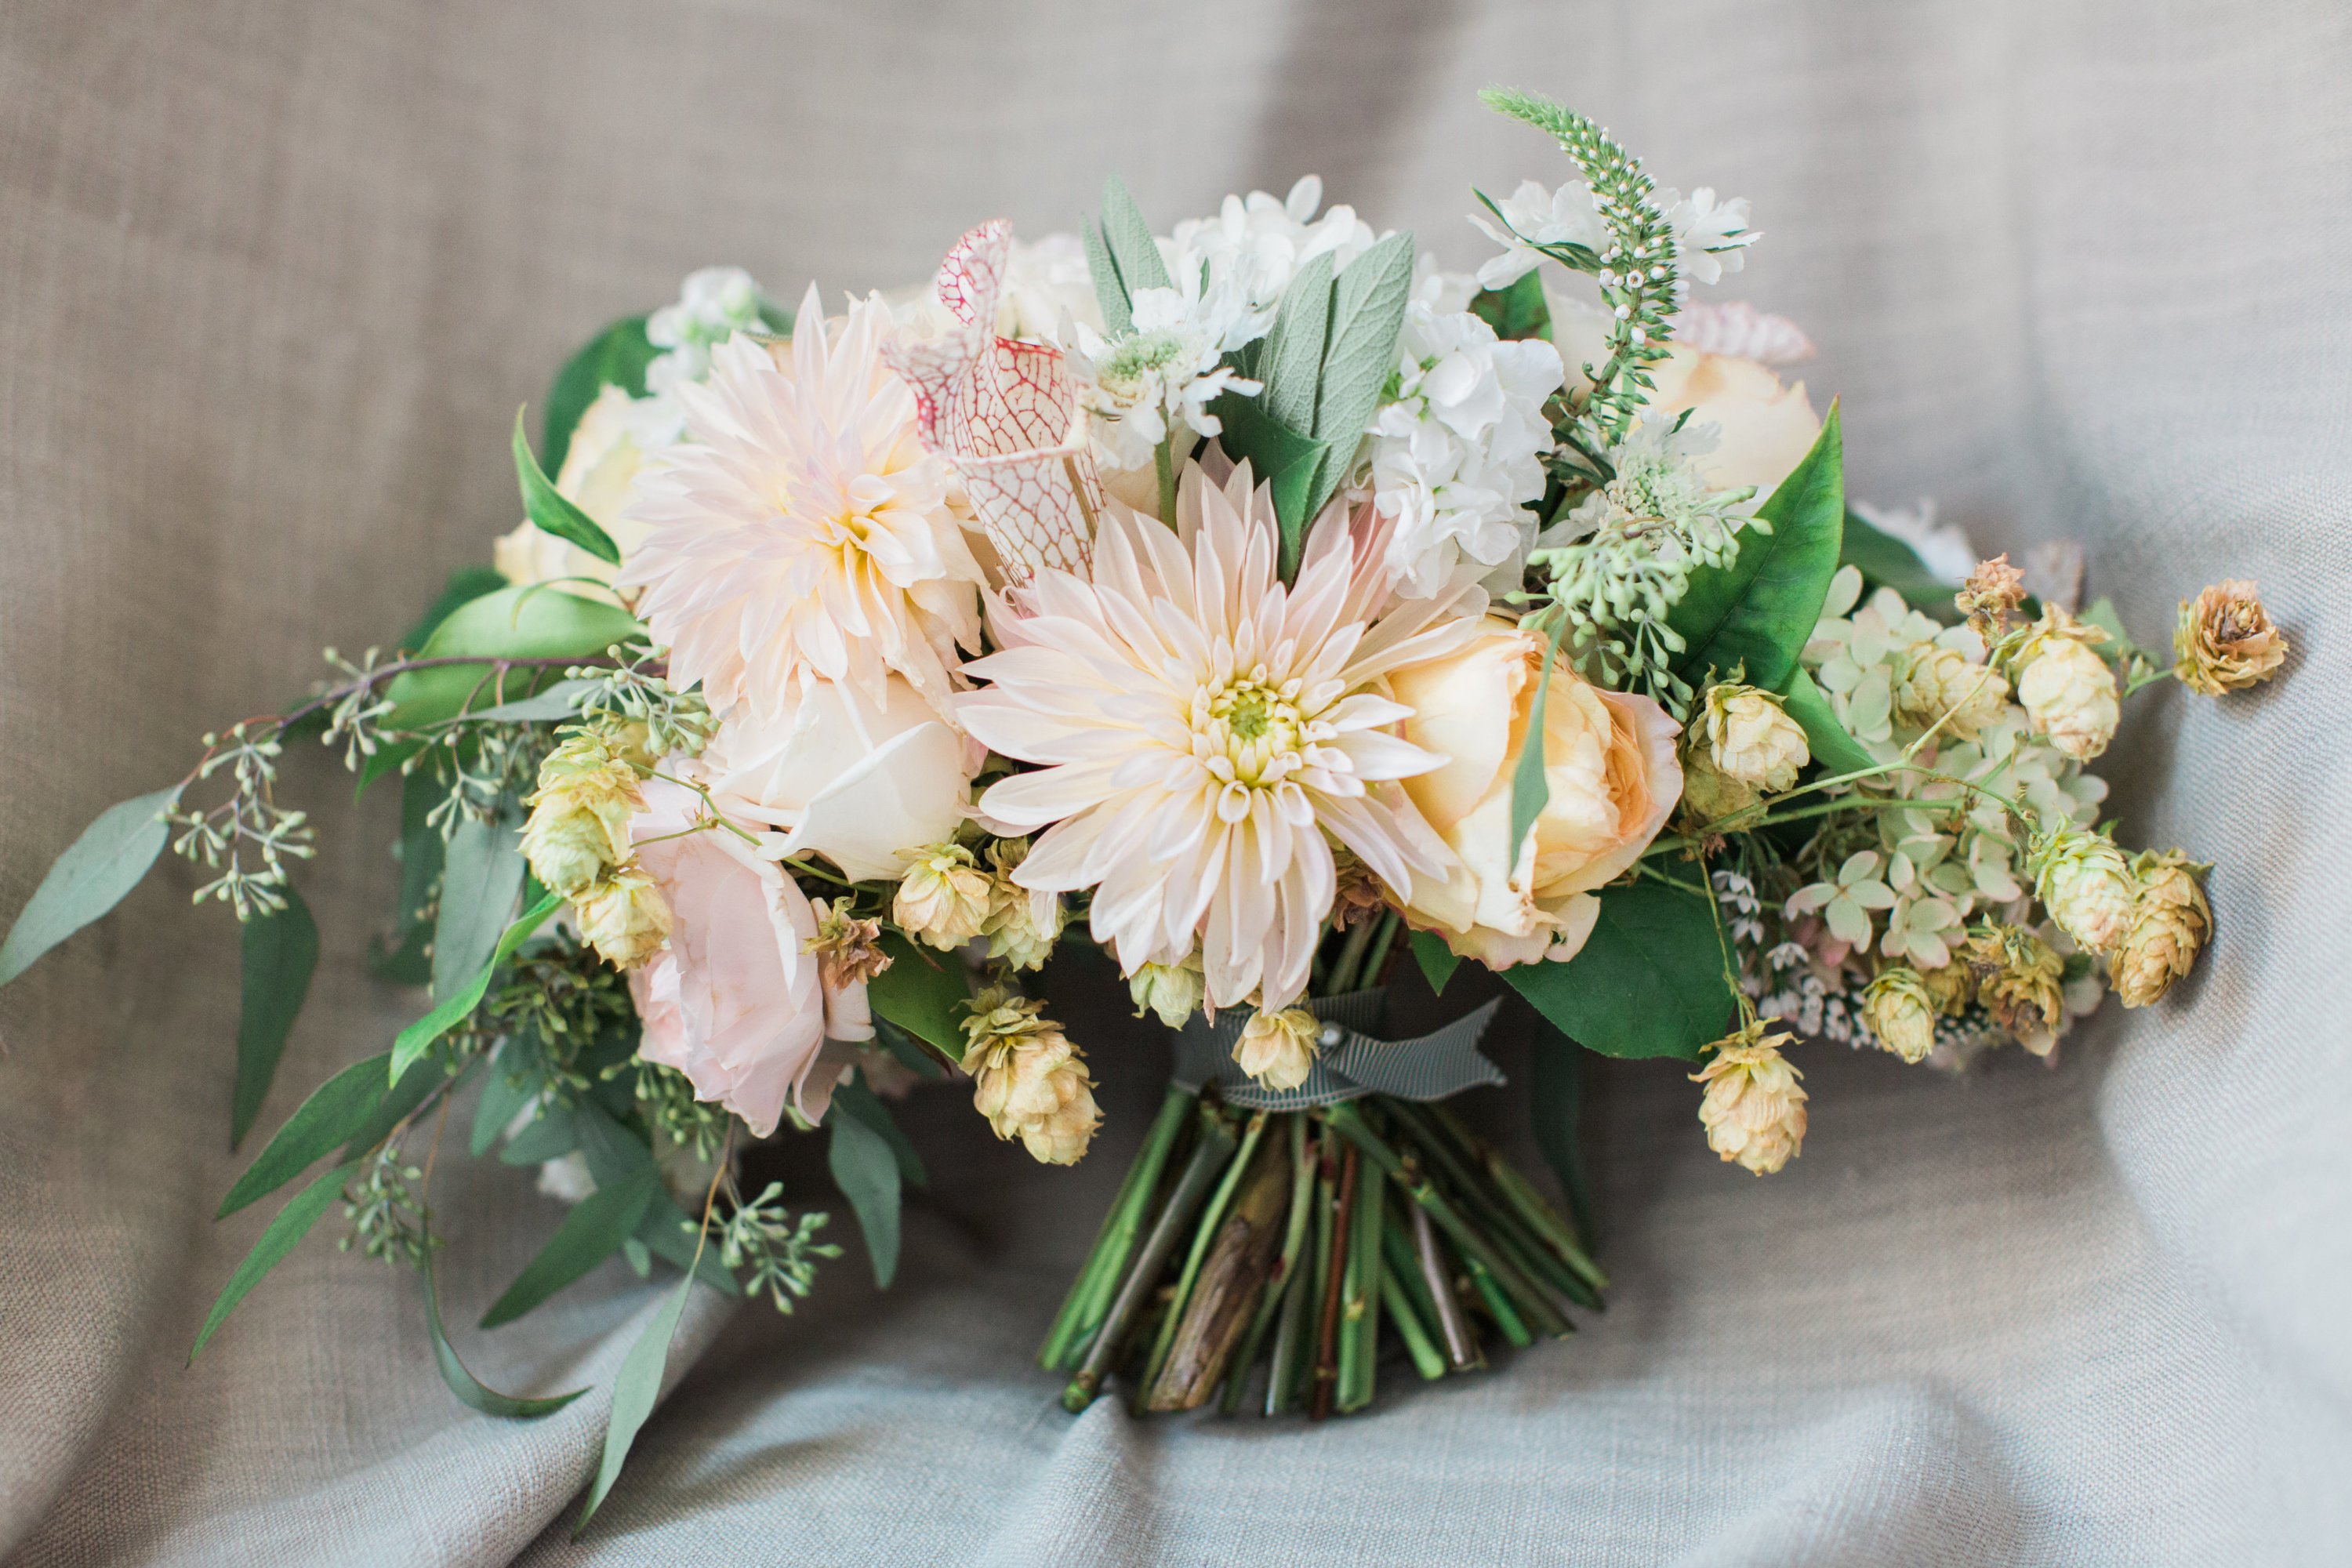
(865,785)
(1609,758)
(609,447)
(736,1001)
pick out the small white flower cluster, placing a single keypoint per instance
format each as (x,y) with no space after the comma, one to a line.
(1711,235)
(713,304)
(1256,245)
(1167,370)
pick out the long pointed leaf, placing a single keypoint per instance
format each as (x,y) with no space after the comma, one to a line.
(1291,359)
(1366,313)
(292,1224)
(471,1391)
(1438,962)
(482,872)
(618,356)
(548,508)
(279,953)
(320,1125)
(857,1099)
(1530,788)
(590,1233)
(411,1042)
(1132,248)
(1110,290)
(91,878)
(634,1393)
(866,1172)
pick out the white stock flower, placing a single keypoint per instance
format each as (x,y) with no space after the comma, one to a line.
(1456,455)
(1255,245)
(714,303)
(1532,216)
(1165,372)
(1712,234)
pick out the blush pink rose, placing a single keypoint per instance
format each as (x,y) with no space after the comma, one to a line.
(735,1001)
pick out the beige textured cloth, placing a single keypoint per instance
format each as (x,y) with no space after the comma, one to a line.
(273,277)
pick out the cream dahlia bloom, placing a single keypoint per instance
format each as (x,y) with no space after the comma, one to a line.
(805,534)
(1205,734)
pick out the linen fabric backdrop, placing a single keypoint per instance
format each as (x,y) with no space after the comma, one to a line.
(277,276)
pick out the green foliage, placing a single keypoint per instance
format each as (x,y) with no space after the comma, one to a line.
(401,1099)
(515,623)
(665,1097)
(1759,611)
(1530,788)
(335,1111)
(1887,561)
(618,356)
(634,1393)
(471,1392)
(592,1232)
(89,878)
(386,1213)
(292,1224)
(852,1097)
(1832,748)
(1438,962)
(406,959)
(278,953)
(762,1237)
(550,511)
(250,821)
(1516,312)
(410,1045)
(466,585)
(923,993)
(1555,1109)
(482,876)
(1648,982)
(866,1169)
(1122,257)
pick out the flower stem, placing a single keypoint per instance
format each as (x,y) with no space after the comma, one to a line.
(1204,1236)
(1286,1267)
(1334,1281)
(1089,1297)
(1164,459)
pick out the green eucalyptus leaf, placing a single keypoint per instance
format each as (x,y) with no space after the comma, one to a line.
(923,993)
(1438,962)
(1759,611)
(1555,1110)
(1647,982)
(336,1109)
(618,356)
(668,1233)
(866,1169)
(292,1224)
(411,1042)
(407,958)
(550,511)
(852,1097)
(481,878)
(1518,311)
(504,1093)
(385,761)
(633,1395)
(471,1392)
(550,1135)
(515,623)
(1836,750)
(596,1228)
(615,1152)
(403,1097)
(278,951)
(1530,787)
(94,874)
(1887,561)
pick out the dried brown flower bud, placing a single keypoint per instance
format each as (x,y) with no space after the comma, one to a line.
(2225,641)
(2170,922)
(1953,985)
(1359,897)
(1753,1110)
(849,950)
(2019,981)
(1991,595)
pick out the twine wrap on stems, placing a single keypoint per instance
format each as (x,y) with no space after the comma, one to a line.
(1349,1061)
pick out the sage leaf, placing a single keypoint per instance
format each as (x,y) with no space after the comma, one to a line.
(336,1109)
(292,1224)
(1757,613)
(923,993)
(1366,314)
(618,356)
(94,874)
(481,878)
(551,511)
(1127,237)
(1438,962)
(594,1230)
(515,623)
(1290,361)
(412,1042)
(1530,787)
(1649,980)
(1293,465)
(634,1393)
(866,1171)
(471,1392)
(1832,748)
(278,954)
(1110,290)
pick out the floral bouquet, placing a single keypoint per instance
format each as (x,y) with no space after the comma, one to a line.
(1262,604)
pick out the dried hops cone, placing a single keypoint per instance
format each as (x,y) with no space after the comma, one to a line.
(944,900)
(2170,922)
(2224,641)
(1749,738)
(1277,1048)
(1898,1008)
(1028,1079)
(1937,685)
(1754,1111)
(579,826)
(624,917)
(1990,596)
(1172,992)
(2020,982)
(1021,925)
(1953,985)
(2084,882)
(2068,690)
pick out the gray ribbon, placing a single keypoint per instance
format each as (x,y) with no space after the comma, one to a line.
(1349,1063)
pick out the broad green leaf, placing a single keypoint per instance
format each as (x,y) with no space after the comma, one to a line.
(279,953)
(466,585)
(557,703)
(516,623)
(907,1050)
(1832,748)
(91,878)
(923,993)
(550,1135)
(1132,249)
(1110,290)
(412,1042)
(1293,464)
(336,1109)
(634,1393)
(1438,962)
(1887,561)
(1530,786)
(618,356)
(1648,982)
(292,1224)
(852,1097)
(1290,361)
(1758,612)
(866,1171)
(505,1092)
(554,512)
(401,1099)
(590,1233)
(1518,311)
(408,959)
(1366,313)
(481,878)
(385,761)
(471,1392)
(1556,1109)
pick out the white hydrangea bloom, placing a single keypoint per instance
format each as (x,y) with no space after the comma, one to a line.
(713,304)
(1713,234)
(1256,245)
(1533,216)
(1165,371)
(1456,455)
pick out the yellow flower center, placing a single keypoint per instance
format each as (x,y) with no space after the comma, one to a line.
(1248,730)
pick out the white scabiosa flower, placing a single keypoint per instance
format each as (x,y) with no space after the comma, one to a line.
(1165,374)
(1533,216)
(1456,453)
(804,535)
